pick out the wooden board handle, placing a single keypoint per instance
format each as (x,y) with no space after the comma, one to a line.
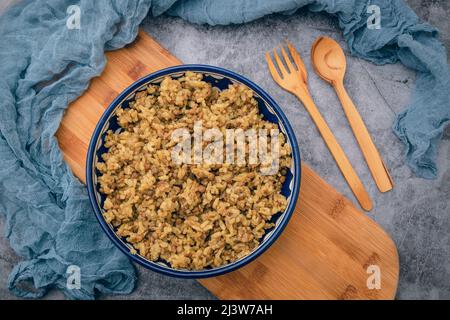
(376,165)
(341,159)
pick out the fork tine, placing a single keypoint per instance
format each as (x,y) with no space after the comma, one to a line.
(272,69)
(287,60)
(298,60)
(279,63)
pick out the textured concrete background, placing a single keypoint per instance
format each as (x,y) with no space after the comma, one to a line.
(415,213)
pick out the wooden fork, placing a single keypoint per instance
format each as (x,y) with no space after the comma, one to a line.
(294,80)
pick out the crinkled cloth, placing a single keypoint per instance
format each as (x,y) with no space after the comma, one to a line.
(44,66)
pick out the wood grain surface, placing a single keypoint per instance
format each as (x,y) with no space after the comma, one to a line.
(328,246)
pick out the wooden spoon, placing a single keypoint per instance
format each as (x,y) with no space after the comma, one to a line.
(329,62)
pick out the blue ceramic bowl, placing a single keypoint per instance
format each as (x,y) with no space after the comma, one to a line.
(220,78)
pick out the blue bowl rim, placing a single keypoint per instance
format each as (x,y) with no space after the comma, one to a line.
(206,273)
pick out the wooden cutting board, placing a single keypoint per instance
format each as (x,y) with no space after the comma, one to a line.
(329,248)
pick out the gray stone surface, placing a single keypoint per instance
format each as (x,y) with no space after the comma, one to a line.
(415,213)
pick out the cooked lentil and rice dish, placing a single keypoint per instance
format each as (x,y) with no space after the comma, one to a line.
(193,216)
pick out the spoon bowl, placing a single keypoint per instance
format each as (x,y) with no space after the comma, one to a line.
(328,59)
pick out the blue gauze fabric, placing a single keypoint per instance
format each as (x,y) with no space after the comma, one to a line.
(45,66)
